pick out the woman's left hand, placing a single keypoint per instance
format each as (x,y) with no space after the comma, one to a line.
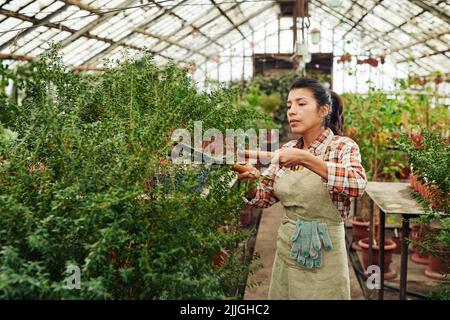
(289,157)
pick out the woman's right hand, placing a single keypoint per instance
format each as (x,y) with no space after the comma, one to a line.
(250,173)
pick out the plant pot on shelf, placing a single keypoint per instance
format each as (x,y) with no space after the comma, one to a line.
(360,230)
(418,186)
(389,248)
(439,264)
(423,191)
(436,197)
(414,182)
(404,173)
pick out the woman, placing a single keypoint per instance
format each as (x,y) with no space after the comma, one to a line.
(314,178)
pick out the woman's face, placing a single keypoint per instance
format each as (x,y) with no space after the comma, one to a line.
(302,112)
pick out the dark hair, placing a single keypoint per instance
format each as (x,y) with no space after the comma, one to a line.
(323,96)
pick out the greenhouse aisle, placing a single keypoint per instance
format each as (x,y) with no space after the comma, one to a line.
(266,247)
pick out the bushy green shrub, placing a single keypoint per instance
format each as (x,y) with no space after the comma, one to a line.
(429,154)
(84,183)
(270,103)
(375,121)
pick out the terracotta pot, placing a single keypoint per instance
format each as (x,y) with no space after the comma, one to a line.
(426,191)
(246,215)
(360,230)
(421,189)
(418,234)
(439,266)
(436,197)
(389,248)
(398,241)
(404,173)
(419,258)
(220,258)
(413,236)
(415,184)
(412,180)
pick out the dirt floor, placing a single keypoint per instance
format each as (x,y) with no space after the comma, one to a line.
(417,281)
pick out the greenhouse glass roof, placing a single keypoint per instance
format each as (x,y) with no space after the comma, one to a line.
(414,35)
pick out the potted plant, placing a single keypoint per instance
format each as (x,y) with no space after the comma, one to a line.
(418,236)
(220,258)
(389,248)
(360,230)
(429,155)
(439,263)
(437,244)
(372,62)
(346,57)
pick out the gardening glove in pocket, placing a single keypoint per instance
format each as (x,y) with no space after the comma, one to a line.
(308,240)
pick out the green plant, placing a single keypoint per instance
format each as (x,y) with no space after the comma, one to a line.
(252,91)
(14,81)
(429,155)
(376,120)
(253,96)
(436,243)
(370,121)
(84,183)
(270,103)
(442,293)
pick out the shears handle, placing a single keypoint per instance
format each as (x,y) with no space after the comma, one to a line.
(258,154)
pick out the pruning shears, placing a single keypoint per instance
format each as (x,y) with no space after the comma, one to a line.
(221,160)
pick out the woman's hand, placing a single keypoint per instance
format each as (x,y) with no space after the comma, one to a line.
(292,157)
(250,173)
(289,157)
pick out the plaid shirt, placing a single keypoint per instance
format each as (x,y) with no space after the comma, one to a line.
(346,176)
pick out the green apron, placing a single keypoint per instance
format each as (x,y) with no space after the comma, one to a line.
(304,196)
